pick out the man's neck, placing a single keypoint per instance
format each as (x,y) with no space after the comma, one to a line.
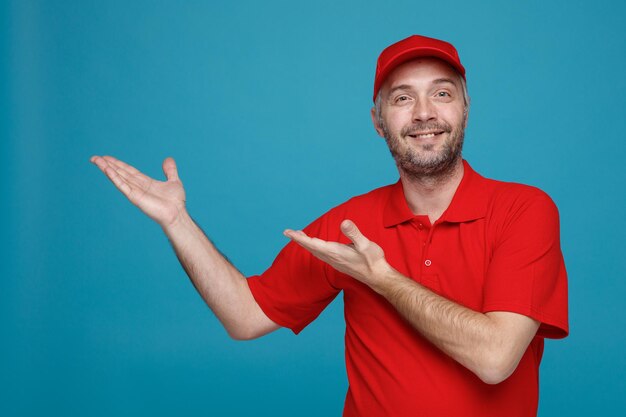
(431,195)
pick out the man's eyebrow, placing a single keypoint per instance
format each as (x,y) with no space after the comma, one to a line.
(399,87)
(444,80)
(407,87)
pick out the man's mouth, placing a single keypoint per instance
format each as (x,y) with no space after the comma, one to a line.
(425,135)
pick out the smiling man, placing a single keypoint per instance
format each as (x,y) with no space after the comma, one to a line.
(451,281)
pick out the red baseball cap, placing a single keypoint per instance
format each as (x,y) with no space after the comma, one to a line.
(414,47)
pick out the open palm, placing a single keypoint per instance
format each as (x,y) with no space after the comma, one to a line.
(163,201)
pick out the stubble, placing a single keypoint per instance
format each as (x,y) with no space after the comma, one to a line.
(419,161)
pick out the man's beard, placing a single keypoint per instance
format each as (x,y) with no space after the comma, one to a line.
(425,164)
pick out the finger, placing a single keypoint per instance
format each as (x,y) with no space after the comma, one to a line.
(117,180)
(130,179)
(297,235)
(304,240)
(99,162)
(354,234)
(170,170)
(116,175)
(121,164)
(326,251)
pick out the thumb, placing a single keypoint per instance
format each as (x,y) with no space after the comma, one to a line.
(353,233)
(170,170)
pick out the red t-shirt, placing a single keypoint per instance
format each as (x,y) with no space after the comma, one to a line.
(496,248)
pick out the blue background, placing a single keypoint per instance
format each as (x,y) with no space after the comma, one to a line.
(265,106)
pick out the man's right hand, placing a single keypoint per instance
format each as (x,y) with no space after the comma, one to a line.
(163,201)
(220,284)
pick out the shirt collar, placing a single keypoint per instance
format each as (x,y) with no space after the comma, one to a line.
(468,203)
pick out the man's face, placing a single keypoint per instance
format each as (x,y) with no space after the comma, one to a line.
(423,117)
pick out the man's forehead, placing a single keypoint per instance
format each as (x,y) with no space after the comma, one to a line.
(422,70)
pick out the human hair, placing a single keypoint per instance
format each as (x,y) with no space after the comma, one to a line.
(379,99)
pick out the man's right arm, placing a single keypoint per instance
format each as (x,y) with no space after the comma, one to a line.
(220,284)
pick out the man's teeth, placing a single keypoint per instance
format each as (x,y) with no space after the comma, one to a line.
(425,135)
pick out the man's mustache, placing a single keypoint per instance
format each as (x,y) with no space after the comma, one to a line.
(426,127)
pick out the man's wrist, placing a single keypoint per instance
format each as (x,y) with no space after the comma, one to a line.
(181,221)
(386,279)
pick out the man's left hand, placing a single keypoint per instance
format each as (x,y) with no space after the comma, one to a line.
(363,259)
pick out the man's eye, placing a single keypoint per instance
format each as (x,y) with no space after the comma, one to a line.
(401,99)
(443,94)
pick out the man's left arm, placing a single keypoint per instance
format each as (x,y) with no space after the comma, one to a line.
(488,344)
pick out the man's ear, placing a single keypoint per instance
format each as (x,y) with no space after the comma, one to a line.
(466,117)
(379,130)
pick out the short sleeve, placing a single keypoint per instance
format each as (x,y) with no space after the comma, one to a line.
(527,274)
(295,289)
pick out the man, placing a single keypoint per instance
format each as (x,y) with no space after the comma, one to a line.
(451,281)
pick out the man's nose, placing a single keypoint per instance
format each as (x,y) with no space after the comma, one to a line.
(424,110)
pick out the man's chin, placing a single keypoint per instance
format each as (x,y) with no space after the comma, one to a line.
(428,167)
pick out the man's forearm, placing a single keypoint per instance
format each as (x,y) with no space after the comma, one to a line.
(490,345)
(221,285)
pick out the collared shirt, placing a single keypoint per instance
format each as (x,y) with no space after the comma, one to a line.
(496,248)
